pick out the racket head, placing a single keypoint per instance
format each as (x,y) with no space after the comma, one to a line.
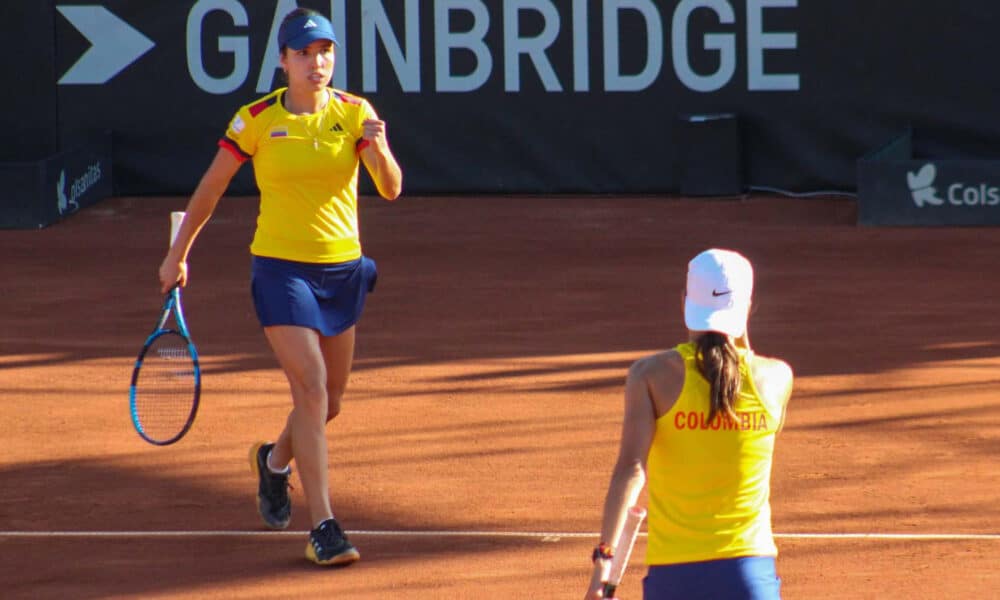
(166,387)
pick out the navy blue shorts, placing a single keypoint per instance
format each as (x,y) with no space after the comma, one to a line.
(745,578)
(326,297)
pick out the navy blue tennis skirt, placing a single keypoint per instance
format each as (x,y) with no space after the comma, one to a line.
(326,297)
(746,578)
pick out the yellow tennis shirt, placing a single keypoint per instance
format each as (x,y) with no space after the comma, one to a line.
(306,167)
(709,482)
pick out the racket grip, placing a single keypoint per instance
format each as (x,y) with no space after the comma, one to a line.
(609,590)
(623,549)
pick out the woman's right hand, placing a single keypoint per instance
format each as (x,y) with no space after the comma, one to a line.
(172,272)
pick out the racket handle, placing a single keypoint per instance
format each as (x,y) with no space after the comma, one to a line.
(623,549)
(609,590)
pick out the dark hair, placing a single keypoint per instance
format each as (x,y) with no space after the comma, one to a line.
(719,363)
(295,14)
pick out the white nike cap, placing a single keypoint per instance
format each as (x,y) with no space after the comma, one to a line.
(719,287)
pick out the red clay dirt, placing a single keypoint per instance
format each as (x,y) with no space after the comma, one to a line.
(486,400)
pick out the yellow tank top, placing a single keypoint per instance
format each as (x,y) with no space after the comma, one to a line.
(709,482)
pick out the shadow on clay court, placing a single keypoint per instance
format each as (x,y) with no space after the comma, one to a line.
(804,520)
(465,279)
(78,495)
(861,391)
(916,422)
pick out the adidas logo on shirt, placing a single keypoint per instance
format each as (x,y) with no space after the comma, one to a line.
(337,127)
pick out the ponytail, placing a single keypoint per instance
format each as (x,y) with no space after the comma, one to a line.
(719,363)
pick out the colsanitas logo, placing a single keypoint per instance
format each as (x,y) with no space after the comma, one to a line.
(922,186)
(959,194)
(70,203)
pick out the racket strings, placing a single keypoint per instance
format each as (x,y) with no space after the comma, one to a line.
(165,388)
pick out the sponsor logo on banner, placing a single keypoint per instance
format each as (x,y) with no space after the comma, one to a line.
(114,45)
(922,186)
(518,56)
(69,203)
(959,193)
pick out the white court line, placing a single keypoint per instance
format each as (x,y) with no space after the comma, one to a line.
(550,536)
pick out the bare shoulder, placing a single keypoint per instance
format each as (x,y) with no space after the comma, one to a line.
(661,376)
(660,365)
(771,364)
(773,377)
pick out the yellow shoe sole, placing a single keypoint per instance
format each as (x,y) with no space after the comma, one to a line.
(344,558)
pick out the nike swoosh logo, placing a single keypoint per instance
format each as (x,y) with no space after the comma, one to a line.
(717,294)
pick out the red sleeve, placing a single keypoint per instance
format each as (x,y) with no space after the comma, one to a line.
(234,149)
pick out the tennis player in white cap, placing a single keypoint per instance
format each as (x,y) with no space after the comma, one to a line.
(699,430)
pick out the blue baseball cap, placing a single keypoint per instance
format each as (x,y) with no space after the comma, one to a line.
(302,31)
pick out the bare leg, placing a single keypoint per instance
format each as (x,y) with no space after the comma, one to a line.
(317,369)
(338,353)
(298,352)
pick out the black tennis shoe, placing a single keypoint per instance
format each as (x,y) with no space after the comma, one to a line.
(273,503)
(328,545)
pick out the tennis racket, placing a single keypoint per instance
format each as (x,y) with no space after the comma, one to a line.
(623,550)
(166,380)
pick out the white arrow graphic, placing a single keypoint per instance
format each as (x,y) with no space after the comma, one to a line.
(114,45)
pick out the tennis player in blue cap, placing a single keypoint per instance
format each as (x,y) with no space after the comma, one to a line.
(309,278)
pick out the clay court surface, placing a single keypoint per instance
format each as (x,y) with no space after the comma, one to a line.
(481,421)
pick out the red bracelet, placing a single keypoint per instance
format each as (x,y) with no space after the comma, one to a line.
(603,552)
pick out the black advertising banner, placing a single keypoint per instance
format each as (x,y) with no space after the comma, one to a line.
(28,110)
(924,192)
(22,184)
(543,96)
(894,188)
(77,178)
(39,193)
